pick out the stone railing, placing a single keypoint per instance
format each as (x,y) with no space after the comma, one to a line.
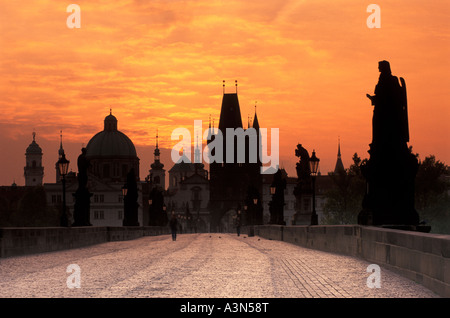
(421,257)
(21,241)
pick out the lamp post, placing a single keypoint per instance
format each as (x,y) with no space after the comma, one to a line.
(314,167)
(63,165)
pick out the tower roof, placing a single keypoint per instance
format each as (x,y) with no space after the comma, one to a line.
(339,165)
(255,120)
(230,113)
(110,142)
(61,149)
(34,148)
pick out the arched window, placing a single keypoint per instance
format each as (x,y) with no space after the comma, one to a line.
(156,180)
(33,164)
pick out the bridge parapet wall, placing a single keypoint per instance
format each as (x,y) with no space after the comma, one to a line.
(33,240)
(422,257)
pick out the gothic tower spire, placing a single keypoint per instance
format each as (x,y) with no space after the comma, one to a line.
(339,165)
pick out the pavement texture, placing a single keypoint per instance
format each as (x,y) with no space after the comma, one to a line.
(198,266)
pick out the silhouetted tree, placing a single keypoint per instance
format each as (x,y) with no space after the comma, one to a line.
(432,194)
(343,201)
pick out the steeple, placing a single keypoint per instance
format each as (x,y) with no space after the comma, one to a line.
(157,153)
(60,154)
(255,120)
(61,149)
(157,173)
(339,165)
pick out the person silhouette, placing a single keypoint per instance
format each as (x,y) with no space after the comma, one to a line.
(174,226)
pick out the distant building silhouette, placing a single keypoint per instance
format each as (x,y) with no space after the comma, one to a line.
(230,182)
(157,173)
(111,155)
(33,171)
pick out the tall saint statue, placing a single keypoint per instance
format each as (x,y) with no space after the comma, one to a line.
(390,114)
(391,169)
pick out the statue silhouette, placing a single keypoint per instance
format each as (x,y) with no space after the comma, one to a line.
(390,172)
(83,165)
(390,117)
(82,195)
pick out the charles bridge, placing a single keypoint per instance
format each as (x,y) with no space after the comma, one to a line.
(269,260)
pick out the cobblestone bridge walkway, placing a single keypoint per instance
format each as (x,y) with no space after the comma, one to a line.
(198,266)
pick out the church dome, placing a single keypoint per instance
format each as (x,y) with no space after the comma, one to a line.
(110,142)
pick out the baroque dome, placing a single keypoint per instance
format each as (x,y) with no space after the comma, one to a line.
(110,142)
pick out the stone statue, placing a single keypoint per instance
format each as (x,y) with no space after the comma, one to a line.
(390,117)
(391,169)
(82,195)
(83,165)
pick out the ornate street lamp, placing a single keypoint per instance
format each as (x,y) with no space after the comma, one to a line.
(63,166)
(314,167)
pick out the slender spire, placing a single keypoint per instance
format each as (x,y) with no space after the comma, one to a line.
(235,83)
(61,149)
(339,147)
(255,119)
(34,136)
(156,137)
(339,164)
(223,86)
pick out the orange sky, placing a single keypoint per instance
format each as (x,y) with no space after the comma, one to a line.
(160,64)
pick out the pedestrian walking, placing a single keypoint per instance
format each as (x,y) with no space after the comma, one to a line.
(238,223)
(174,226)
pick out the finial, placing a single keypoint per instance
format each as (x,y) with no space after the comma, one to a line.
(110,110)
(156,137)
(223,86)
(255,106)
(34,136)
(235,83)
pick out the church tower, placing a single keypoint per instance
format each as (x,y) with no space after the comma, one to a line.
(232,182)
(339,165)
(60,154)
(157,171)
(33,171)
